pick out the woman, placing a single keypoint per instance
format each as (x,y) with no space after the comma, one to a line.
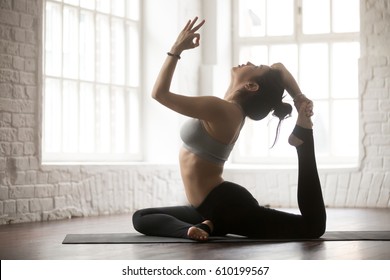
(219,207)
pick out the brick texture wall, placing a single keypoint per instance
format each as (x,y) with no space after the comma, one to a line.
(374,189)
(32,192)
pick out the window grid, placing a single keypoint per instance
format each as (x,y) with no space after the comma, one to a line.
(98,101)
(299,39)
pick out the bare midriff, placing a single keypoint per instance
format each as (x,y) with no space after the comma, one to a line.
(199,176)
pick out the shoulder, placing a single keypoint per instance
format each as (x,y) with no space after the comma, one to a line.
(221,108)
(226,114)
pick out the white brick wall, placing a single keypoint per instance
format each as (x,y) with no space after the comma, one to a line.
(31,192)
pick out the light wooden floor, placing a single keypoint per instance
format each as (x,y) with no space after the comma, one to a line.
(42,241)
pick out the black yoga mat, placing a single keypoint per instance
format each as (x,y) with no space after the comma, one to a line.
(136,238)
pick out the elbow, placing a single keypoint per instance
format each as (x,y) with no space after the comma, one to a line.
(154,95)
(157,95)
(278,66)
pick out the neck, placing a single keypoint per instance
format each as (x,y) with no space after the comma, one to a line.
(231,91)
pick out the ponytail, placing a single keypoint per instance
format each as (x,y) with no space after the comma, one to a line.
(282,111)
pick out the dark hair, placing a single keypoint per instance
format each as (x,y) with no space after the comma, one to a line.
(268,99)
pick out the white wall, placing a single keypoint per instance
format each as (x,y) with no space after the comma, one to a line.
(32,192)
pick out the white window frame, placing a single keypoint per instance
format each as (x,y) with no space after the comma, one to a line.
(298,38)
(128,91)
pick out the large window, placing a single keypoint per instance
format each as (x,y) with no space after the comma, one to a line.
(319,44)
(91,80)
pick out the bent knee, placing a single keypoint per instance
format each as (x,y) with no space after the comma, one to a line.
(317,230)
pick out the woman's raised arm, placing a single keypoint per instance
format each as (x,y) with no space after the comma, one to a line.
(187,39)
(207,108)
(292,87)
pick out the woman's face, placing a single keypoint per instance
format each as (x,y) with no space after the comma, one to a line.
(246,72)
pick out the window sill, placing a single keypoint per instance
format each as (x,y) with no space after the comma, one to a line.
(281,167)
(228,166)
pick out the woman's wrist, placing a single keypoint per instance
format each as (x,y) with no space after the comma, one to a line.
(298,96)
(175,50)
(174,55)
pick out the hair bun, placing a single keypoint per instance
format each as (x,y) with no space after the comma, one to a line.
(282,110)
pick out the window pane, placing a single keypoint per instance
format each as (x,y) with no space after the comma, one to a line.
(251,18)
(102,49)
(53,46)
(314,72)
(133,9)
(340,22)
(119,120)
(345,117)
(88,4)
(134,137)
(321,127)
(103,6)
(87,46)
(72,2)
(103,119)
(70,121)
(87,118)
(118,7)
(281,148)
(118,52)
(280,17)
(252,142)
(316,16)
(255,54)
(345,70)
(133,63)
(70,43)
(286,54)
(53,116)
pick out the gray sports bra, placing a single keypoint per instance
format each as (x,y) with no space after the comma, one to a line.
(198,141)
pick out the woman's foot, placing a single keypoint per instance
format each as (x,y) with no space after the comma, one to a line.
(303,121)
(200,232)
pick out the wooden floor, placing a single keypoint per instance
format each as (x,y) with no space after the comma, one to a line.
(43,241)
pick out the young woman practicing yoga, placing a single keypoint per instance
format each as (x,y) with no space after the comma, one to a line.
(218,207)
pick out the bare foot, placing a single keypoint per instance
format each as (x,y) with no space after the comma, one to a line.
(304,121)
(199,234)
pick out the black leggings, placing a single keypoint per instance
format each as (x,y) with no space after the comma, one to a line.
(232,209)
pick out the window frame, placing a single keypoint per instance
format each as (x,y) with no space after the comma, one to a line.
(128,90)
(296,38)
